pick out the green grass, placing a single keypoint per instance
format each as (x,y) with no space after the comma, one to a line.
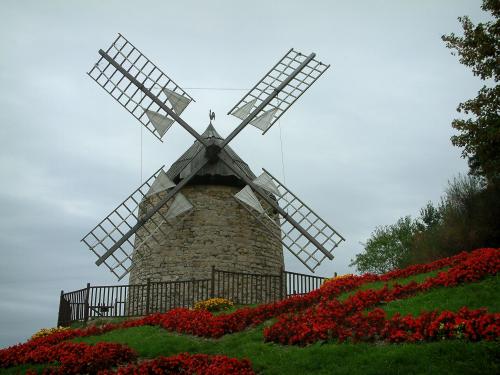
(444,357)
(97,322)
(380,284)
(450,357)
(431,358)
(473,295)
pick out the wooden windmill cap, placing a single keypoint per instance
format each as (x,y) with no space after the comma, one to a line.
(212,173)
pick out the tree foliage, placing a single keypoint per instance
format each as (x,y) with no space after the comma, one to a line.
(466,218)
(430,217)
(479,132)
(387,248)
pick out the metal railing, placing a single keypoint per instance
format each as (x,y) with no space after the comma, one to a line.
(143,299)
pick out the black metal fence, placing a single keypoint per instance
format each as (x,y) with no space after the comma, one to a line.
(143,299)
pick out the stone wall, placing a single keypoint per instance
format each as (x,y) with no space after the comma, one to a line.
(218,232)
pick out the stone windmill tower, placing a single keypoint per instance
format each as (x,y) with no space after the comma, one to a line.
(217,231)
(208,208)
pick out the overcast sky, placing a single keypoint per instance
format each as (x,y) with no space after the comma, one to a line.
(367,144)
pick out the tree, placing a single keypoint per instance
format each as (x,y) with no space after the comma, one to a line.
(430,217)
(459,196)
(479,134)
(387,248)
(461,221)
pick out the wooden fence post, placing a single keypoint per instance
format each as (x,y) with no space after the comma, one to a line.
(282,271)
(86,304)
(59,316)
(148,292)
(212,283)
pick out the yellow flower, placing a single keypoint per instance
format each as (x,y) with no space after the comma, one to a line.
(48,331)
(214,304)
(336,278)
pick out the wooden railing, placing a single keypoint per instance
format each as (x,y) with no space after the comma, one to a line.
(143,299)
(298,283)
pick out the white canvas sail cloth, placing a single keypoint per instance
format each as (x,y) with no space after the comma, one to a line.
(179,102)
(263,122)
(266,182)
(179,206)
(247,196)
(161,183)
(160,122)
(243,112)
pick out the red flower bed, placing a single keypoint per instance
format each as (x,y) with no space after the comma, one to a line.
(81,358)
(205,324)
(472,325)
(19,353)
(72,358)
(188,364)
(301,320)
(332,319)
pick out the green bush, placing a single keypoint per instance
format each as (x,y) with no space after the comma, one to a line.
(467,217)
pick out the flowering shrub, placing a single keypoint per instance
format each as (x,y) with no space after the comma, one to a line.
(316,316)
(21,353)
(332,319)
(185,363)
(198,322)
(73,358)
(321,304)
(214,304)
(48,331)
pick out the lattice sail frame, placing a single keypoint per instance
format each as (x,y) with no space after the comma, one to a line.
(128,94)
(291,238)
(111,229)
(290,93)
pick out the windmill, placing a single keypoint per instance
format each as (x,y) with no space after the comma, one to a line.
(159,207)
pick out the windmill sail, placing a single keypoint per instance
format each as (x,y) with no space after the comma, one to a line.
(127,75)
(263,122)
(179,206)
(243,112)
(178,102)
(161,123)
(247,196)
(123,218)
(266,182)
(306,218)
(161,183)
(298,214)
(279,89)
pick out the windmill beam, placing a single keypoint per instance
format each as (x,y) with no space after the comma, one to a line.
(302,203)
(150,213)
(153,97)
(226,160)
(275,92)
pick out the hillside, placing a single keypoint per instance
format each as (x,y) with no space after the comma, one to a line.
(441,317)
